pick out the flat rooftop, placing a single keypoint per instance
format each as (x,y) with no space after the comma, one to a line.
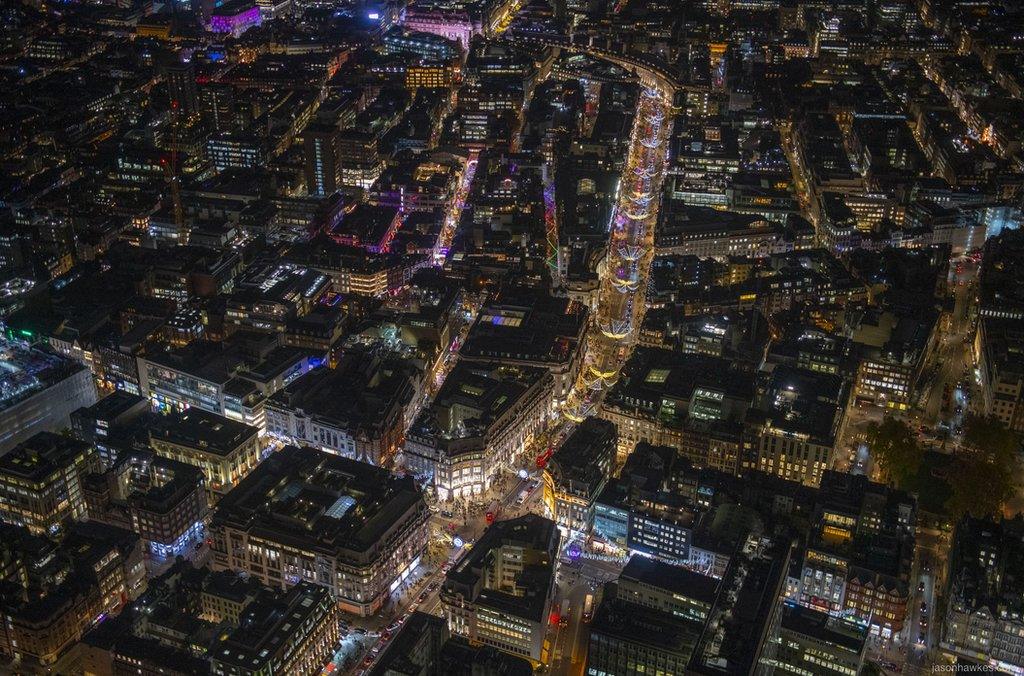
(41,456)
(307,498)
(524,325)
(209,432)
(675,579)
(26,371)
(530,531)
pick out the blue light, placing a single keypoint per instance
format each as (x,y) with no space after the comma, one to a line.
(178,546)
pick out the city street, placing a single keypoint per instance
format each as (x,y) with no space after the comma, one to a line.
(569,642)
(953,359)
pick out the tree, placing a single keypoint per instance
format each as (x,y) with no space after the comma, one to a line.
(985,474)
(989,435)
(894,447)
(979,486)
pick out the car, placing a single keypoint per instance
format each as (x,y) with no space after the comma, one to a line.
(447,514)
(922,638)
(924,607)
(920,586)
(359,630)
(368,661)
(422,597)
(432,586)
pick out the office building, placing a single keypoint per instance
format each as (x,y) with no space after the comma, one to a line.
(482,420)
(630,639)
(424,45)
(235,150)
(999,350)
(163,501)
(859,553)
(270,294)
(105,423)
(425,647)
(895,349)
(323,170)
(194,376)
(358,410)
(671,398)
(526,327)
(984,623)
(813,642)
(41,482)
(670,589)
(798,421)
(181,88)
(577,472)
(308,515)
(500,592)
(235,17)
(225,450)
(296,633)
(59,590)
(38,391)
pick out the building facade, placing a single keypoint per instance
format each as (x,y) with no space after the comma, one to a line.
(366,529)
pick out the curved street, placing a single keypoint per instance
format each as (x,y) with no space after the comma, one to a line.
(623,273)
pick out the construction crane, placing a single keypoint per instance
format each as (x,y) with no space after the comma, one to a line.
(171,170)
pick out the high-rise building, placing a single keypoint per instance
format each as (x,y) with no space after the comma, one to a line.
(323,170)
(181,88)
(217,105)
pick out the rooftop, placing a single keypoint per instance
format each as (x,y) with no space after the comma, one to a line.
(526,325)
(474,396)
(307,498)
(209,432)
(25,371)
(675,579)
(42,456)
(527,596)
(268,624)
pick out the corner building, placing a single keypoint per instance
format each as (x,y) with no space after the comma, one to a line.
(306,515)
